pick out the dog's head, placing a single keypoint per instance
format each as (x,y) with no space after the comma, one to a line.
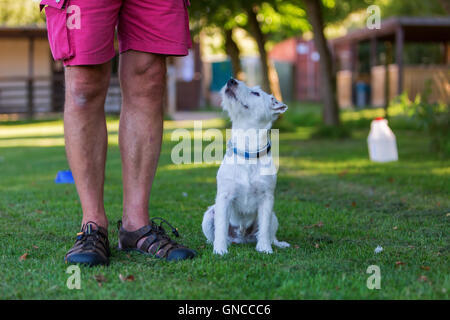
(250,107)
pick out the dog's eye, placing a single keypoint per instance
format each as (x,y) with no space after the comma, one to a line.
(255,93)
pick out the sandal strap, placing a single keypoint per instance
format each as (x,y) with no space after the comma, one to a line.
(162,252)
(148,242)
(155,247)
(129,239)
(157,242)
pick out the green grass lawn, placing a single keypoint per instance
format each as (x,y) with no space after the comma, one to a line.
(333,204)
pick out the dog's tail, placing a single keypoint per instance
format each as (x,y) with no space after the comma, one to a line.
(208,224)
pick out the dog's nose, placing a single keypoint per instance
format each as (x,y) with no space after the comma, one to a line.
(232,82)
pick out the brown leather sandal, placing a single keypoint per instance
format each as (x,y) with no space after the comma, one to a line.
(157,242)
(91,246)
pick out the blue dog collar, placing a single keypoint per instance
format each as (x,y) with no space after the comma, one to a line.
(250,155)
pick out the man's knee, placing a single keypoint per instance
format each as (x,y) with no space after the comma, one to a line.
(86,87)
(143,77)
(83,94)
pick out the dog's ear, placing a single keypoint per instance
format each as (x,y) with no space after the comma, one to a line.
(278,107)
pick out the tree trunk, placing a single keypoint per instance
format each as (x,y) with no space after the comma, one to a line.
(269,76)
(233,52)
(387,60)
(330,107)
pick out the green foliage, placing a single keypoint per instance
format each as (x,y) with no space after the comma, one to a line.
(401,117)
(300,114)
(434,118)
(410,8)
(338,10)
(216,13)
(331,132)
(280,20)
(20,13)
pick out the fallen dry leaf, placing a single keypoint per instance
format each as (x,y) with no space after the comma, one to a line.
(23,257)
(127,278)
(426,268)
(100,278)
(399,263)
(391,179)
(353,204)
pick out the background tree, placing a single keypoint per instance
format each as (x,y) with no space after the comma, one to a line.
(221,16)
(275,20)
(330,107)
(20,13)
(263,20)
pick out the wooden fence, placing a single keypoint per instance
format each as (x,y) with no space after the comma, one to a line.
(416,77)
(24,95)
(378,89)
(414,83)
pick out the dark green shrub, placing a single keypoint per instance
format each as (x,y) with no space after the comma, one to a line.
(434,118)
(331,132)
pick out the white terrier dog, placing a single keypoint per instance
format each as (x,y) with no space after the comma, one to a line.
(246,179)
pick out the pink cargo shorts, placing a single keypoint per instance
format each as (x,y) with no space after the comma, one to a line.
(81,32)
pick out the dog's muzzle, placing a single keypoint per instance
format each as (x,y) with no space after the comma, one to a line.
(232,83)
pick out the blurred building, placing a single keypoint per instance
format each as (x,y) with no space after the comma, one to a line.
(402,56)
(217,73)
(297,63)
(31,81)
(410,50)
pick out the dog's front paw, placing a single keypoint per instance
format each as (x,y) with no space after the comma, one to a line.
(220,249)
(281,244)
(264,248)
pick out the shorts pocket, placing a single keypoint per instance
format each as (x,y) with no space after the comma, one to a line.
(57,30)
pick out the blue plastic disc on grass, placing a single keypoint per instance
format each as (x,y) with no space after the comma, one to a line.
(64,176)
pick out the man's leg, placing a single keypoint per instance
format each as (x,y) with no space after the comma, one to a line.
(143,79)
(86,136)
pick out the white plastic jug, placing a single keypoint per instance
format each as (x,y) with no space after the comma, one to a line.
(381,141)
